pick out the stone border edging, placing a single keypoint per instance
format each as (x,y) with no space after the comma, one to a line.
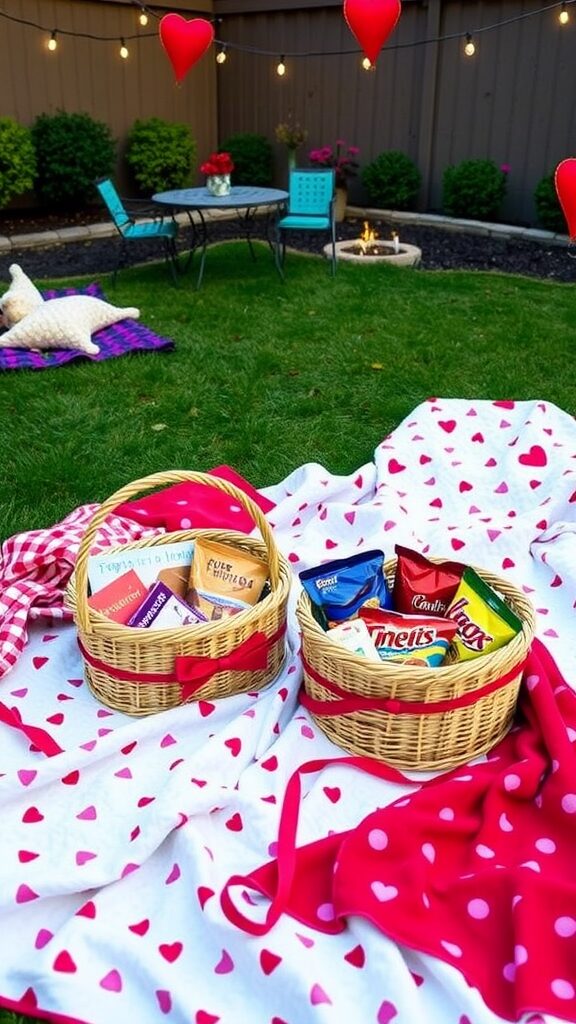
(474,227)
(92,232)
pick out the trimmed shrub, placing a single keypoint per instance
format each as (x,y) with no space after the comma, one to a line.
(550,215)
(17,160)
(161,154)
(71,151)
(253,158)
(392,181)
(473,189)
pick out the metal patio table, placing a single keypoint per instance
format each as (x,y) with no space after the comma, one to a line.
(244,200)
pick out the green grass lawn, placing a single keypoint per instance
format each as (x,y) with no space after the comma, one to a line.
(267,376)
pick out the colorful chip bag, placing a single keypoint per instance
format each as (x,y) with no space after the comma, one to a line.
(341,587)
(422,587)
(484,620)
(224,580)
(412,639)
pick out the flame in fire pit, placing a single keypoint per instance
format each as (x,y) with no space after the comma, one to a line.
(367,238)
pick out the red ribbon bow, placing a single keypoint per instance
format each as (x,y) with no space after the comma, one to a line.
(193,672)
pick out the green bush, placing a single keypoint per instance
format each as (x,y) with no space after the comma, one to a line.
(17,160)
(253,158)
(550,215)
(473,189)
(161,155)
(392,181)
(71,151)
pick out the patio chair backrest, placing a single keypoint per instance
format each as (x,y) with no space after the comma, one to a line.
(113,202)
(311,191)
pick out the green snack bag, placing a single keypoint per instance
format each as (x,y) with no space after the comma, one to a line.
(485,622)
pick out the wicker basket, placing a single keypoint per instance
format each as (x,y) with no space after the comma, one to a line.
(142,671)
(409,716)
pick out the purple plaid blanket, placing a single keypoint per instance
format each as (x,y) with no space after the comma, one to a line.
(117,340)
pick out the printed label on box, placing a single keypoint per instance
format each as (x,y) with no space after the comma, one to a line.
(120,598)
(162,609)
(166,561)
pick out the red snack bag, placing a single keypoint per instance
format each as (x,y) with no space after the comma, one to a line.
(413,639)
(422,587)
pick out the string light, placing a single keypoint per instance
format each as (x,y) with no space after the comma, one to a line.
(367,64)
(281,69)
(52,42)
(469,47)
(563,17)
(143,17)
(222,56)
(123,50)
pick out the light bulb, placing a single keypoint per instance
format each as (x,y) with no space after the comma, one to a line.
(143,19)
(221,56)
(281,69)
(52,42)
(469,48)
(123,50)
(367,64)
(563,17)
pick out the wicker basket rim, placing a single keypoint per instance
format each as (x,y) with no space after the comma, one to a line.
(129,634)
(511,651)
(82,610)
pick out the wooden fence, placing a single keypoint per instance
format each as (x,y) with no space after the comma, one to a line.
(86,73)
(512,101)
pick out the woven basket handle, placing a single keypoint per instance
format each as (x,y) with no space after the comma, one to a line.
(146,483)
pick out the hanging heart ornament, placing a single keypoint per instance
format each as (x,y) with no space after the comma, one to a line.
(185,42)
(371,21)
(565,182)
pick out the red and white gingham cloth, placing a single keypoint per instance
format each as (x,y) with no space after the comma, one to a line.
(35,567)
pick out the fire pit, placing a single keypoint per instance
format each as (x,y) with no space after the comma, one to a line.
(370,249)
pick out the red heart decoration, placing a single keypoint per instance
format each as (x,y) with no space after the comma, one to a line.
(565,182)
(371,21)
(185,42)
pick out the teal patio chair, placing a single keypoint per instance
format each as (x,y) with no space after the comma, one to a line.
(311,194)
(124,213)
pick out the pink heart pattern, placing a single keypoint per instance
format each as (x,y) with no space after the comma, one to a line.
(123,782)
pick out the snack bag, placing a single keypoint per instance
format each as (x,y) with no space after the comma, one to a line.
(354,636)
(484,620)
(340,588)
(422,587)
(413,639)
(224,580)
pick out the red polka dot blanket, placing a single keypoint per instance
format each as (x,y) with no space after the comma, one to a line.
(476,868)
(453,898)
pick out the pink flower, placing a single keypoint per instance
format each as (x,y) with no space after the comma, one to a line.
(505,168)
(341,159)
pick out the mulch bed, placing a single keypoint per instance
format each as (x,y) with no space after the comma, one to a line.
(441,250)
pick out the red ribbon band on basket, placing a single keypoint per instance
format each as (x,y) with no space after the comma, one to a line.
(193,672)
(349,702)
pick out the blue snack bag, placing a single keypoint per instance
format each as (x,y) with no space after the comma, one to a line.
(340,588)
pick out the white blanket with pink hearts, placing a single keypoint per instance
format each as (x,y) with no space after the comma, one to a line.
(115,851)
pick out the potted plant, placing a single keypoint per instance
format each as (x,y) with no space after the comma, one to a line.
(292,135)
(343,159)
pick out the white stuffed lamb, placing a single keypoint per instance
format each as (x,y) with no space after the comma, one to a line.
(21,298)
(67,322)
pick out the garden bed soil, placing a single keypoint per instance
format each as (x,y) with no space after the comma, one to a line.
(441,249)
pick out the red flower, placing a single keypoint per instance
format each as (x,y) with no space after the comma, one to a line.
(218,163)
